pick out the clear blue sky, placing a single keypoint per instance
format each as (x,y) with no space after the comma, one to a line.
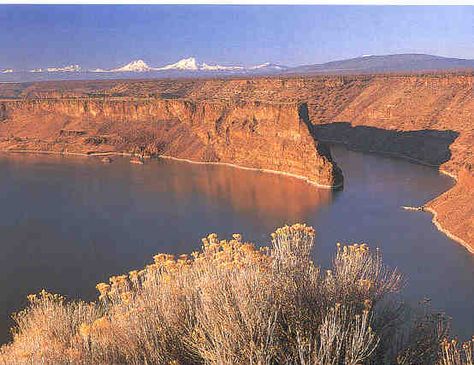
(108,36)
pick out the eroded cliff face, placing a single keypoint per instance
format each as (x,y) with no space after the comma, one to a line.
(454,210)
(425,118)
(264,136)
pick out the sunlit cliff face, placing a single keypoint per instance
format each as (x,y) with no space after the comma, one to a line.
(434,105)
(252,134)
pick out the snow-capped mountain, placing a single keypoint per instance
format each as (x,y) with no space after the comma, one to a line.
(70,68)
(269,66)
(186,67)
(191,64)
(185,64)
(134,66)
(188,64)
(190,67)
(206,67)
(98,70)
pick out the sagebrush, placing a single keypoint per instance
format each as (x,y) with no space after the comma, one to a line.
(233,303)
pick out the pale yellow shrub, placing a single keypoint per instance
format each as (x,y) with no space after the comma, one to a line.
(232,303)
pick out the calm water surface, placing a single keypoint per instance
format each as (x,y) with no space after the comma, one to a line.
(68,223)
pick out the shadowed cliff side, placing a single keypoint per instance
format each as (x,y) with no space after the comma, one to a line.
(442,102)
(322,148)
(454,208)
(264,136)
(430,147)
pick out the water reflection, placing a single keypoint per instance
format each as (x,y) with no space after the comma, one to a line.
(67,223)
(266,195)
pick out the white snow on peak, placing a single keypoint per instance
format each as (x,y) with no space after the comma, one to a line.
(190,64)
(184,64)
(98,70)
(134,66)
(267,65)
(206,67)
(70,68)
(7,71)
(263,65)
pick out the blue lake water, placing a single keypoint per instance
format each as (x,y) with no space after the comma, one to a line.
(67,223)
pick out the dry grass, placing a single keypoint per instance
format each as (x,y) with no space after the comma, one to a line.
(231,303)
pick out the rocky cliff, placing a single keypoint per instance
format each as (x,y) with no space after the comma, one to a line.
(250,134)
(425,118)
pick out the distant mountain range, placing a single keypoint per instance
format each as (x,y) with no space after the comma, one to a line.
(186,64)
(388,63)
(189,67)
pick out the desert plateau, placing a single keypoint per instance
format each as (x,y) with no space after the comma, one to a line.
(425,118)
(236,183)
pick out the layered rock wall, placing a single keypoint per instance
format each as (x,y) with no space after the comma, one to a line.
(264,136)
(424,118)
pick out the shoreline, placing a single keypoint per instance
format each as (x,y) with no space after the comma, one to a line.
(111,153)
(389,154)
(425,208)
(93,154)
(276,172)
(439,227)
(446,232)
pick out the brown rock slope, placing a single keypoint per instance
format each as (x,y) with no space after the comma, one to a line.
(428,119)
(264,136)
(425,118)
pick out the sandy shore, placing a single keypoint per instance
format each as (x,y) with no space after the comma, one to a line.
(425,209)
(102,154)
(93,154)
(304,178)
(446,232)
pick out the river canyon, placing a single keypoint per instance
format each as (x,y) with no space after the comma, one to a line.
(273,124)
(69,222)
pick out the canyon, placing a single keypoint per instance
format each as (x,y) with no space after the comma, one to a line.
(277,124)
(255,135)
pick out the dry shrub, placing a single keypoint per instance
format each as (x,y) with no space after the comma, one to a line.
(235,317)
(231,303)
(455,354)
(47,332)
(343,337)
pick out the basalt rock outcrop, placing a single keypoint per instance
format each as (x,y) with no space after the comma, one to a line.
(258,135)
(426,118)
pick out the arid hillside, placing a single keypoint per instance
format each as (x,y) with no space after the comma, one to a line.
(249,134)
(426,118)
